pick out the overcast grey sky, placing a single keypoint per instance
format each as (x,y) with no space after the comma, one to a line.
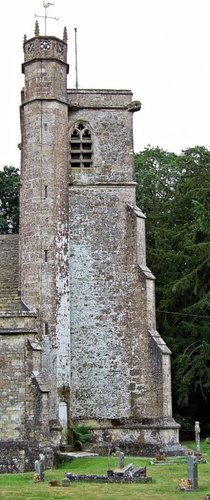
(157,48)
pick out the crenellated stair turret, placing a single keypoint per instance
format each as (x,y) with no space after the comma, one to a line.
(44,200)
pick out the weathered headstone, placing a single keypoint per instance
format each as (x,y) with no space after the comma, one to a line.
(197,437)
(128,470)
(121,459)
(192,465)
(39,467)
(42,466)
(36,466)
(140,471)
(66,482)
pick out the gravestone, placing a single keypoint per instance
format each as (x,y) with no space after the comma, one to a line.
(66,482)
(192,466)
(197,437)
(39,467)
(140,471)
(42,466)
(36,467)
(121,460)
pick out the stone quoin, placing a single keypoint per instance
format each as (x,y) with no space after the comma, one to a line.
(77,300)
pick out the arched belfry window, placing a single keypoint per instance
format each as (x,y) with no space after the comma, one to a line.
(81,150)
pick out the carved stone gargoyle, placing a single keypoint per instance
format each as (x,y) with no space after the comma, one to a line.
(134,106)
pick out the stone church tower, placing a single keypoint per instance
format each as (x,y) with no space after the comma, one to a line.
(80,334)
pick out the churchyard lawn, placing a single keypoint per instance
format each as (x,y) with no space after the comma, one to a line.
(164,486)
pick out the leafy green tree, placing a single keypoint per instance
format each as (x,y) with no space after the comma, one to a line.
(174,192)
(9,200)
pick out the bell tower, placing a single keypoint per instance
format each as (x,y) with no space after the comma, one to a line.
(44,201)
(83,261)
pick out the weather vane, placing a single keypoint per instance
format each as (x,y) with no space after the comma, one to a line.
(45,17)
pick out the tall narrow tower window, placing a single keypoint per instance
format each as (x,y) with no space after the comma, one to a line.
(46,328)
(81,146)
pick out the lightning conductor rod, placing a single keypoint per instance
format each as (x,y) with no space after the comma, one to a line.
(76,65)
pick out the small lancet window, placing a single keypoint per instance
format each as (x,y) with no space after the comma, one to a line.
(81,149)
(46,328)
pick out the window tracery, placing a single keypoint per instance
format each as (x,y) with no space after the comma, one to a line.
(81,146)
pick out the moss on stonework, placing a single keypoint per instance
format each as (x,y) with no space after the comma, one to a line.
(64,393)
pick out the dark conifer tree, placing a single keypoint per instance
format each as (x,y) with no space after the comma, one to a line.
(9,200)
(174,192)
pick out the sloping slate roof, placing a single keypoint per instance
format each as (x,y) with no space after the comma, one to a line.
(9,272)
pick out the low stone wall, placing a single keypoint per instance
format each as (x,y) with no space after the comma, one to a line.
(20,457)
(140,439)
(99,478)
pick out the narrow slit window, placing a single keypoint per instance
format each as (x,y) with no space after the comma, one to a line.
(46,192)
(46,328)
(81,147)
(45,255)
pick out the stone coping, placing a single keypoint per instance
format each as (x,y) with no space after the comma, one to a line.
(17,331)
(146,272)
(159,341)
(128,423)
(77,454)
(170,460)
(100,91)
(99,184)
(18,314)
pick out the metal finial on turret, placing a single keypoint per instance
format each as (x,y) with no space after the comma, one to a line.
(65,35)
(46,6)
(36,31)
(24,39)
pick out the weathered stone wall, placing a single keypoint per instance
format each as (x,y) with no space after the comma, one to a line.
(21,399)
(25,427)
(111,289)
(110,345)
(12,386)
(111,126)
(100,296)
(20,456)
(38,80)
(142,440)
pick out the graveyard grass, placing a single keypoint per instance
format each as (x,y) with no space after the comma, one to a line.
(164,486)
